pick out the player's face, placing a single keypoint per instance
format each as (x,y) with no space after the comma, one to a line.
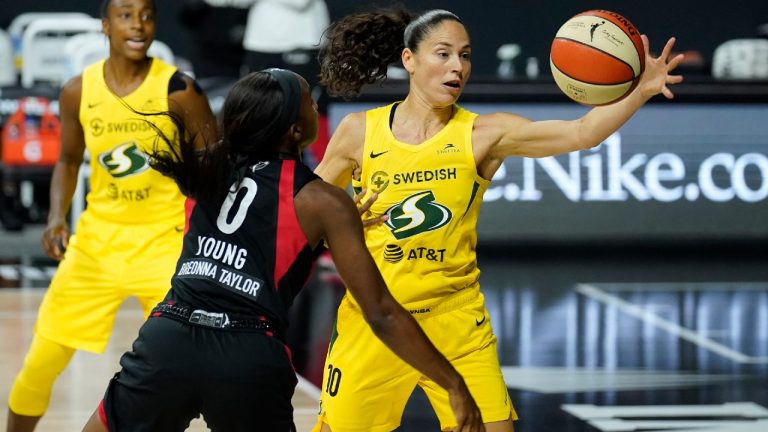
(440,67)
(130,27)
(307,115)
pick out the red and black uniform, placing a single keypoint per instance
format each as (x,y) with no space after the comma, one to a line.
(215,345)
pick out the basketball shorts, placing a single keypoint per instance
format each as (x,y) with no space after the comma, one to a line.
(104,264)
(240,381)
(366,386)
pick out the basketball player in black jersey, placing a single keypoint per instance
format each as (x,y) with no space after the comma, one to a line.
(257,217)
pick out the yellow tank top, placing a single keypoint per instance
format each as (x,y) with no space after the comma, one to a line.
(432,194)
(123,187)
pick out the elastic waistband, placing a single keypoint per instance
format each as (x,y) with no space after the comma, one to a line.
(217,320)
(429,308)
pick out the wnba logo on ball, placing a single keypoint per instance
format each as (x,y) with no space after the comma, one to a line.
(592,29)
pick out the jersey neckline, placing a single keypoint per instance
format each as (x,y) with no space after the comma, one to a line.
(137,90)
(425,143)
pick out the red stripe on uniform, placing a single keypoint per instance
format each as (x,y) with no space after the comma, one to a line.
(290,237)
(290,357)
(189,205)
(102,414)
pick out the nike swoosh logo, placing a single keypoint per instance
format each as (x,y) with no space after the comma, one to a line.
(375,155)
(477,323)
(179,229)
(93,105)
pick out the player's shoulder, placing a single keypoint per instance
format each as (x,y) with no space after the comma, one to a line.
(353,121)
(351,129)
(69,96)
(320,196)
(73,85)
(181,82)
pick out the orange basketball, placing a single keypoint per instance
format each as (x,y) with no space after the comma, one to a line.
(597,57)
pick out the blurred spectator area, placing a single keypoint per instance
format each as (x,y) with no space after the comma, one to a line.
(207,32)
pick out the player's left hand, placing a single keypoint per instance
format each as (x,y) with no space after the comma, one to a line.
(363,209)
(468,417)
(656,77)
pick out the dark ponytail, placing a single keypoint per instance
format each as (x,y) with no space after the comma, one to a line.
(251,127)
(358,48)
(199,173)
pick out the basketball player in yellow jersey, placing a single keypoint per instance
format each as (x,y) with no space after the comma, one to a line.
(129,237)
(427,162)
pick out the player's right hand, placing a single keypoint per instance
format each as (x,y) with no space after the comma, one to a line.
(364,208)
(55,239)
(468,417)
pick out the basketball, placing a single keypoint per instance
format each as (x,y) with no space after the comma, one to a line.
(597,57)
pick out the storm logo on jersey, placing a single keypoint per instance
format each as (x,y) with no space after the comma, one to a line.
(417,214)
(124,160)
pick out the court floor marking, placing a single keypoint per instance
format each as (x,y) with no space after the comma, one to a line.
(727,417)
(650,318)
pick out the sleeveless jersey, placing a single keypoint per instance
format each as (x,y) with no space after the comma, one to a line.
(246,253)
(123,187)
(432,194)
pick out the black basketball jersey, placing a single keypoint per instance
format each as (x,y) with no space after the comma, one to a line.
(246,254)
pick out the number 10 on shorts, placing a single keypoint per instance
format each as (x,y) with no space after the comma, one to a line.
(334,379)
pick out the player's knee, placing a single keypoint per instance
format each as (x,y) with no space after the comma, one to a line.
(46,359)
(32,389)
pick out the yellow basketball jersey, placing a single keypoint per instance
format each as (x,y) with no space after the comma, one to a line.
(123,187)
(432,194)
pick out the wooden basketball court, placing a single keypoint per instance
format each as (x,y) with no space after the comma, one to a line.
(78,390)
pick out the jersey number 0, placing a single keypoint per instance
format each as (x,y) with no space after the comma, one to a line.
(228,227)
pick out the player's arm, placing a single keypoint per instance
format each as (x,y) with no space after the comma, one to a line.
(189,102)
(345,150)
(510,135)
(326,212)
(64,178)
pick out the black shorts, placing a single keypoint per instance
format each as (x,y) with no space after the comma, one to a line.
(238,380)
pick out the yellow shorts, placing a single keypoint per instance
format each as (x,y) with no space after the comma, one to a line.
(366,386)
(104,264)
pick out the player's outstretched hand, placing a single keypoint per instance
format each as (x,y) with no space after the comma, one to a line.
(55,239)
(656,78)
(363,208)
(468,418)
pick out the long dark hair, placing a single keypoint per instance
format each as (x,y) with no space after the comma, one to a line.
(249,128)
(358,48)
